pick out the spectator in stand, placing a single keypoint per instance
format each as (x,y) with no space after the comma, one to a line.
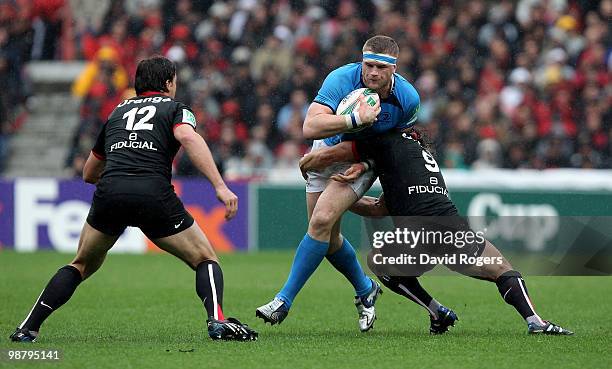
(258,160)
(513,94)
(273,54)
(297,106)
(47,22)
(516,158)
(489,154)
(105,65)
(229,151)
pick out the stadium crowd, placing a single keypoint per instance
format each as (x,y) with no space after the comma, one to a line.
(504,84)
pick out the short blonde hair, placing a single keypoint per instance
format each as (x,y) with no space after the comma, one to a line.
(381,44)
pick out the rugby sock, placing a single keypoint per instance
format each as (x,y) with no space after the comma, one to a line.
(433,306)
(308,256)
(57,292)
(513,290)
(209,286)
(345,261)
(410,288)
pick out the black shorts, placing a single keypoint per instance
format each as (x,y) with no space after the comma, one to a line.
(149,204)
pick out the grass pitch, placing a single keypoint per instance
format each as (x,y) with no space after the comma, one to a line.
(142,312)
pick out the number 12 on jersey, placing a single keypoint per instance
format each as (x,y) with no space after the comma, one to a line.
(147,111)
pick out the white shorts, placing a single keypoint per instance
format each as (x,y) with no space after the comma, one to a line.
(317,180)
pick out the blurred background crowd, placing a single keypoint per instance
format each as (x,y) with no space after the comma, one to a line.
(503,84)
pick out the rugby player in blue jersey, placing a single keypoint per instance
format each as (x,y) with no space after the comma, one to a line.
(328,200)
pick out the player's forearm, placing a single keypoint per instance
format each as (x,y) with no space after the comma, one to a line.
(369,206)
(202,159)
(324,157)
(324,125)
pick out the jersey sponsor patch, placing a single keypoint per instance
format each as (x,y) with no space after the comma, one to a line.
(189,118)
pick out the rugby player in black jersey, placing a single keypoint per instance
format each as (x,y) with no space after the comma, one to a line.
(131,167)
(414,191)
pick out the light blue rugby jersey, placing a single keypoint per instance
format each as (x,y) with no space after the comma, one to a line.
(398,111)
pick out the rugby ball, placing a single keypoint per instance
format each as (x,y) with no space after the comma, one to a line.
(350,103)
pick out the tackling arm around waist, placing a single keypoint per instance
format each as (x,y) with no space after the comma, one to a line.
(321,158)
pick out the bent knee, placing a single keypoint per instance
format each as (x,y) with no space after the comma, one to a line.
(200,255)
(202,258)
(502,268)
(490,271)
(493,271)
(322,221)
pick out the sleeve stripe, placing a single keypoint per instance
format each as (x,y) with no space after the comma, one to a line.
(413,119)
(181,123)
(326,104)
(98,156)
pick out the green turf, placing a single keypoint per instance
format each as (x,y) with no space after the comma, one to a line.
(141,311)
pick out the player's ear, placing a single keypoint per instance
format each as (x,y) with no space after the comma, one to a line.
(171,83)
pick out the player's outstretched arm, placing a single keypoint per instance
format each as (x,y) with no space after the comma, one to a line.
(321,122)
(200,156)
(93,169)
(369,206)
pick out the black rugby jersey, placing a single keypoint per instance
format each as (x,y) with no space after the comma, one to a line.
(409,175)
(138,137)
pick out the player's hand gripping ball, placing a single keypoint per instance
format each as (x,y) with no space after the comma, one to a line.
(364,105)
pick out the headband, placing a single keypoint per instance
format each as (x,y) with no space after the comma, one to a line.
(381,58)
